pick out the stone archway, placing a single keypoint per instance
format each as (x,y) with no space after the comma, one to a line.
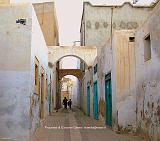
(75,72)
(85,53)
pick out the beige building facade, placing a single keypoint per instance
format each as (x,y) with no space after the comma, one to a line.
(130,55)
(98,22)
(148,77)
(25,78)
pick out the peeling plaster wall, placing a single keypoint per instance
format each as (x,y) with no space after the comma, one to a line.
(87,81)
(148,78)
(104,60)
(15,101)
(119,60)
(40,51)
(15,72)
(83,101)
(19,112)
(97,21)
(135,83)
(98,25)
(51,88)
(95,78)
(123,74)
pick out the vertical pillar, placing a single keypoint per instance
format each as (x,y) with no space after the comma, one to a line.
(58,94)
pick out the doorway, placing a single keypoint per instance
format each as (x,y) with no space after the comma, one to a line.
(108,99)
(88,101)
(95,100)
(42,97)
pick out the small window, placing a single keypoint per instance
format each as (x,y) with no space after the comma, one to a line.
(131,39)
(147,48)
(95,68)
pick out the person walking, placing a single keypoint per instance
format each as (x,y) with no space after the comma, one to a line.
(65,102)
(70,103)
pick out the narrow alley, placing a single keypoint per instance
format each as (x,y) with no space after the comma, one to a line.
(77,70)
(55,129)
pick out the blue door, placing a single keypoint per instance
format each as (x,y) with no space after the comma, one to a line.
(88,100)
(108,98)
(95,101)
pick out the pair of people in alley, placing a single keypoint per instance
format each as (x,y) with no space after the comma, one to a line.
(66,102)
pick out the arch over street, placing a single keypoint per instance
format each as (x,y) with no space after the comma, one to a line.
(75,72)
(85,53)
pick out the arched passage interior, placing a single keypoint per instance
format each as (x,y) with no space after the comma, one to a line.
(70,88)
(78,71)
